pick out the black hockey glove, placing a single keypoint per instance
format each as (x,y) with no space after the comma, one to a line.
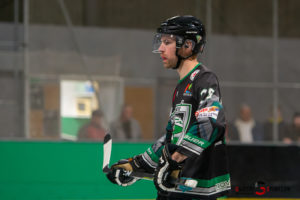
(127,171)
(167,172)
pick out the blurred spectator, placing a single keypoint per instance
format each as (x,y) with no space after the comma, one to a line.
(126,127)
(282,127)
(93,130)
(294,129)
(245,128)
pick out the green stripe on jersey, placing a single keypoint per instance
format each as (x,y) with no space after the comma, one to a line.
(169,126)
(155,155)
(196,140)
(211,182)
(174,140)
(193,129)
(217,103)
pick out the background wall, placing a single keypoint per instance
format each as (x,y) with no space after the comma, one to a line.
(244,65)
(252,46)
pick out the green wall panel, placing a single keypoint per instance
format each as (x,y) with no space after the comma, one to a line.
(65,170)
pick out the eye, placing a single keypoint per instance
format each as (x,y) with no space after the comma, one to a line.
(166,42)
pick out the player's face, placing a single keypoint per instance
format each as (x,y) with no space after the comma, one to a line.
(167,51)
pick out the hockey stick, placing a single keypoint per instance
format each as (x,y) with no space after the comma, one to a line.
(107,147)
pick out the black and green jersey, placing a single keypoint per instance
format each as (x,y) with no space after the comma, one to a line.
(197,126)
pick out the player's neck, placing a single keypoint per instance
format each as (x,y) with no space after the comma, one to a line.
(186,66)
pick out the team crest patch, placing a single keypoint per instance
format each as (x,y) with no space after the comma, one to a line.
(188,90)
(192,77)
(211,112)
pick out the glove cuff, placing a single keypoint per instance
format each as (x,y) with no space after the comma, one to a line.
(139,164)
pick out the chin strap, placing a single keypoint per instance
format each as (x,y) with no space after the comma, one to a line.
(180,59)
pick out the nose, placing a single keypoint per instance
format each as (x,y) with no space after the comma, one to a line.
(161,47)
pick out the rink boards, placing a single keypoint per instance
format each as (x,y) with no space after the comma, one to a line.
(69,170)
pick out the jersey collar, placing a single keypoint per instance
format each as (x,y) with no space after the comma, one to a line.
(189,72)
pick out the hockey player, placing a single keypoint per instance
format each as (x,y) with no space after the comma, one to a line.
(189,161)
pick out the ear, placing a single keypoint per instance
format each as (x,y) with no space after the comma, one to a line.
(188,47)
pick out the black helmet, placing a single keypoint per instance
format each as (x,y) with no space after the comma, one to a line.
(185,28)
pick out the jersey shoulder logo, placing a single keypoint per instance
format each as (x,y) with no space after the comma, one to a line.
(193,75)
(188,90)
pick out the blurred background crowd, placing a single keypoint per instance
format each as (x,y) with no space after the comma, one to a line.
(72,70)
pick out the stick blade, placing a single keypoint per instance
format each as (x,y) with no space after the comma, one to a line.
(107,138)
(107,143)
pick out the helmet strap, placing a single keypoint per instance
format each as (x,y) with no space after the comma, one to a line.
(180,59)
